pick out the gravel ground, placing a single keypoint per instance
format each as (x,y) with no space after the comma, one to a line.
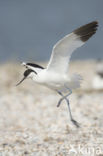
(32,125)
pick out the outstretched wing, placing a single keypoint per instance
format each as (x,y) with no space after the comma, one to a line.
(63,49)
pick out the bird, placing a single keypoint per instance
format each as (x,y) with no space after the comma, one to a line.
(55,76)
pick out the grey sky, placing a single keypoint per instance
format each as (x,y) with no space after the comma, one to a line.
(30,28)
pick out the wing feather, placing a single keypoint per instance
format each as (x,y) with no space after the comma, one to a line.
(63,49)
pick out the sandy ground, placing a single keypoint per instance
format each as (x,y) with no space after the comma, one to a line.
(32,125)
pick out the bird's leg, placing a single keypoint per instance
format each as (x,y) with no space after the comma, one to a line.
(63,97)
(71,118)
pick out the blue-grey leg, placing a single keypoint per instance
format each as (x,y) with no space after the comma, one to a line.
(65,98)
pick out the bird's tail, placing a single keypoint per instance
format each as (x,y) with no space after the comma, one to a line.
(75,81)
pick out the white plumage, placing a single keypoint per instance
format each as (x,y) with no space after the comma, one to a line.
(56,76)
(61,53)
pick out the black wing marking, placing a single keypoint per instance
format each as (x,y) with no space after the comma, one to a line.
(35,65)
(86,31)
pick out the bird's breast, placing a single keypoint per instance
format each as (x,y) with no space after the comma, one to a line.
(50,77)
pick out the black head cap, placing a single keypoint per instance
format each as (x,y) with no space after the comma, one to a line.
(26,73)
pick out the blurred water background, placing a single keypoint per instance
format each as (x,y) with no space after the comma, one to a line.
(30,28)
